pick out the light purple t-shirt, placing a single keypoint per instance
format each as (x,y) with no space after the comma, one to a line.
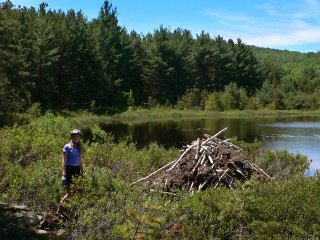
(73,155)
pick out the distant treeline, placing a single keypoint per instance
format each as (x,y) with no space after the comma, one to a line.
(62,60)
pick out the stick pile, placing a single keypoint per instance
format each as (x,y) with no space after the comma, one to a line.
(205,163)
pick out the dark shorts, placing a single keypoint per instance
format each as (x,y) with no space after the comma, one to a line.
(72,172)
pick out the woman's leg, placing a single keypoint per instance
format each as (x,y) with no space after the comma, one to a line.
(65,197)
(71,171)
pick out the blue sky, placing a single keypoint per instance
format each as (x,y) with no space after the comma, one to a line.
(293,25)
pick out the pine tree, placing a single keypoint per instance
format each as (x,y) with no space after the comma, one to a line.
(45,54)
(247,67)
(13,94)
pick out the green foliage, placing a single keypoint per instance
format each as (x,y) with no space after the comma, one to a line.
(280,164)
(107,206)
(283,164)
(130,100)
(152,102)
(62,60)
(247,67)
(265,93)
(193,99)
(234,98)
(52,59)
(253,103)
(213,102)
(123,158)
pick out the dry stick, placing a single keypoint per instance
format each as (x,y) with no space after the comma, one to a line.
(218,133)
(232,189)
(242,174)
(164,167)
(181,157)
(197,151)
(261,170)
(221,178)
(191,187)
(152,190)
(238,170)
(211,160)
(198,163)
(205,183)
(203,148)
(216,185)
(206,149)
(203,159)
(170,193)
(233,145)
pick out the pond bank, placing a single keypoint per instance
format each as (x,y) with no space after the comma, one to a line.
(140,115)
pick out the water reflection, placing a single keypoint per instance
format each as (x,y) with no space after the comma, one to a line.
(297,134)
(296,137)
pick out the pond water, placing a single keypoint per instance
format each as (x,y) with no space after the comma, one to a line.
(296,134)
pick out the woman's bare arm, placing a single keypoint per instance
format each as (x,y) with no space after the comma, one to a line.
(64,163)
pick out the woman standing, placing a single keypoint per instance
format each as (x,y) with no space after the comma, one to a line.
(71,164)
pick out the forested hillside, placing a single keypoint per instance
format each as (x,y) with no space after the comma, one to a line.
(63,61)
(54,64)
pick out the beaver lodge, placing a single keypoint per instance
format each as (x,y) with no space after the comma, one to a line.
(207,162)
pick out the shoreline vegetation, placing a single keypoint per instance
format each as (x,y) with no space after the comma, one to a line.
(85,118)
(138,115)
(160,113)
(52,60)
(107,206)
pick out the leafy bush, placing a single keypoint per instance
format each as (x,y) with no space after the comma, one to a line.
(265,94)
(213,103)
(107,206)
(253,103)
(234,97)
(193,99)
(256,210)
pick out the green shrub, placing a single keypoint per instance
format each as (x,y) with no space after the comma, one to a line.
(193,98)
(253,103)
(213,102)
(234,97)
(107,206)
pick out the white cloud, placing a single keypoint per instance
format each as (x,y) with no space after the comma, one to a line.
(306,36)
(280,23)
(225,17)
(312,2)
